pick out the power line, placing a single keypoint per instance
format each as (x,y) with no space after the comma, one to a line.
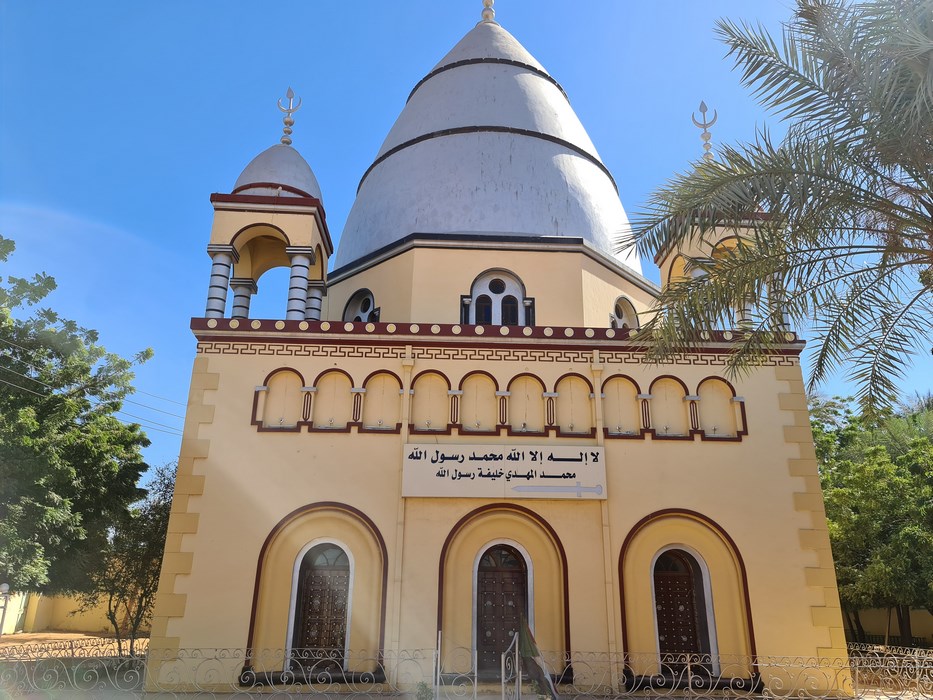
(131,415)
(161,398)
(17,386)
(123,400)
(138,391)
(151,408)
(172,430)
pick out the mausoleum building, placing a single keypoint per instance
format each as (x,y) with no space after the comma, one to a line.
(452,428)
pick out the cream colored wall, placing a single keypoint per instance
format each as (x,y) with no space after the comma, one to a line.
(38,613)
(66,617)
(62,614)
(425,285)
(301,229)
(763,491)
(389,283)
(601,285)
(876,622)
(16,606)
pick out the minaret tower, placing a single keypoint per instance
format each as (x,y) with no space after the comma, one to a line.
(274,217)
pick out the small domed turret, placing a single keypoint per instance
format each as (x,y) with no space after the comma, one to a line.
(278,167)
(247,240)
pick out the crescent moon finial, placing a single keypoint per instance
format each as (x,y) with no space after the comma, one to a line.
(288,120)
(705,125)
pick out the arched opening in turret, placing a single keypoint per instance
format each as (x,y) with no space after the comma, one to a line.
(261,254)
(268,301)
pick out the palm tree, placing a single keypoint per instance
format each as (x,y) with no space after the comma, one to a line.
(835,223)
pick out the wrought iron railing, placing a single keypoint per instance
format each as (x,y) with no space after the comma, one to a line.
(869,672)
(80,647)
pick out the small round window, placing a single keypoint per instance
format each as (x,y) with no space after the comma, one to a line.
(496,286)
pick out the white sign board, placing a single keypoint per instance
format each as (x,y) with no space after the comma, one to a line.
(504,471)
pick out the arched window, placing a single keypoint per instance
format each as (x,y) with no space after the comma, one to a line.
(479,409)
(483,306)
(717,410)
(382,402)
(333,401)
(624,316)
(497,297)
(509,311)
(430,407)
(526,405)
(620,407)
(361,308)
(574,406)
(669,410)
(681,614)
(282,407)
(322,609)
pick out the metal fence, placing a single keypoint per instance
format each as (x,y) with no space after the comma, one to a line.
(60,671)
(80,647)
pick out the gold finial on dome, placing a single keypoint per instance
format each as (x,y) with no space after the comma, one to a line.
(489,14)
(705,125)
(289,111)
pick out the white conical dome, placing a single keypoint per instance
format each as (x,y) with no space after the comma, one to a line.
(487,144)
(278,171)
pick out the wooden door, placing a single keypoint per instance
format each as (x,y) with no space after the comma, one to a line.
(501,603)
(679,606)
(320,636)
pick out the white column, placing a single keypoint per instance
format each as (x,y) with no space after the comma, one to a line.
(301,258)
(315,299)
(222,259)
(778,302)
(743,315)
(243,289)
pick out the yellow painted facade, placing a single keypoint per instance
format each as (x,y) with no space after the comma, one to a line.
(300,432)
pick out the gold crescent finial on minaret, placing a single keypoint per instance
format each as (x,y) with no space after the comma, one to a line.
(489,14)
(705,125)
(289,111)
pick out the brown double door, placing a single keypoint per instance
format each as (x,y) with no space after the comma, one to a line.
(680,607)
(320,635)
(501,602)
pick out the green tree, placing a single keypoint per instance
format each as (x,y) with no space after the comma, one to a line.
(127,577)
(68,466)
(835,222)
(879,506)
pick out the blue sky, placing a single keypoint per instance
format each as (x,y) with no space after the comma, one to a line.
(119,119)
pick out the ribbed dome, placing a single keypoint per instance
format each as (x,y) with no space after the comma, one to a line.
(487,144)
(277,166)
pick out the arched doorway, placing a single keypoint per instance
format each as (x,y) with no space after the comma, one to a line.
(322,605)
(501,603)
(680,607)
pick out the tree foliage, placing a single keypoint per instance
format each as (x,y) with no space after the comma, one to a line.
(835,222)
(878,488)
(68,466)
(126,579)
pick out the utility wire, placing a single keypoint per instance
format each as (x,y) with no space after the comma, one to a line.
(172,429)
(123,400)
(17,386)
(138,391)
